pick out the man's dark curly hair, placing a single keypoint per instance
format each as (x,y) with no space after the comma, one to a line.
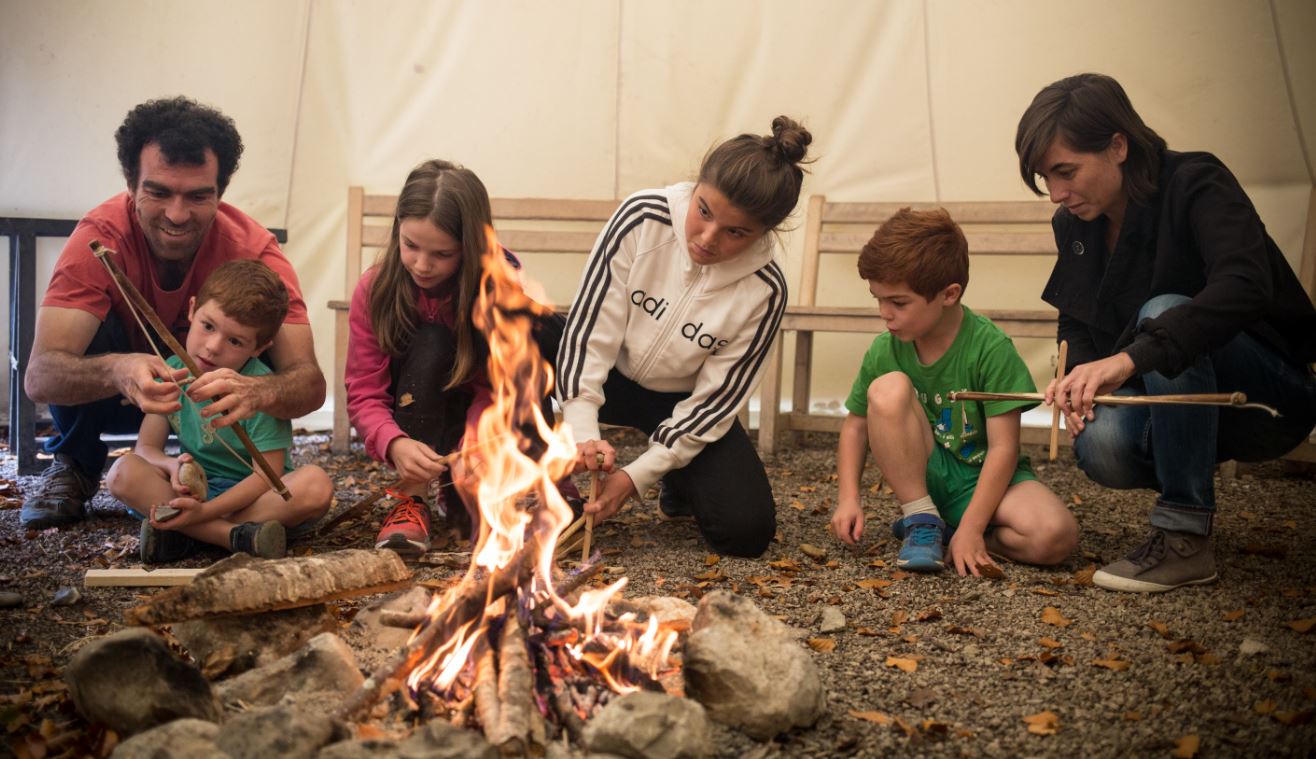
(183,128)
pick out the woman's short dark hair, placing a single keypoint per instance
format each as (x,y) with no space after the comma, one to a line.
(1086,111)
(183,128)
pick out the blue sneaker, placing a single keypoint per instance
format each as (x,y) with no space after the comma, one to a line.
(922,551)
(947,532)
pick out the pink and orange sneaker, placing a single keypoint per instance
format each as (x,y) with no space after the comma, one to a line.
(406,528)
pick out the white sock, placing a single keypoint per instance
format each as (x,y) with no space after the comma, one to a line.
(922,505)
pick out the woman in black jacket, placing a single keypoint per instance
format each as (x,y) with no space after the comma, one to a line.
(1166,282)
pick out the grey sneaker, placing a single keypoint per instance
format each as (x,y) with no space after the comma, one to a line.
(1165,561)
(61,497)
(268,541)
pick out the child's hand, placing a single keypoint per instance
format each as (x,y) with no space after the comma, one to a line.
(968,551)
(414,461)
(595,456)
(190,513)
(848,523)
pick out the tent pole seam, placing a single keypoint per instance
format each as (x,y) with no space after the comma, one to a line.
(1288,89)
(927,79)
(297,115)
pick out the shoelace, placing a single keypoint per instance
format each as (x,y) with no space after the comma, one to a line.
(62,481)
(408,511)
(923,535)
(1149,552)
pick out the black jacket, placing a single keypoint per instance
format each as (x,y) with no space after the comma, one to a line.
(1198,236)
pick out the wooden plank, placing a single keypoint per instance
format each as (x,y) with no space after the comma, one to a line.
(352,266)
(553,209)
(770,399)
(379,205)
(550,241)
(812,236)
(374,236)
(138,577)
(968,212)
(341,441)
(980,243)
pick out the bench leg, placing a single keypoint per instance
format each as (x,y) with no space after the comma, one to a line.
(342,436)
(770,400)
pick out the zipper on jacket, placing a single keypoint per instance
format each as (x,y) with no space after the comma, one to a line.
(656,349)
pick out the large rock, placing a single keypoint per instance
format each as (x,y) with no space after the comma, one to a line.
(180,739)
(375,643)
(747,669)
(323,664)
(648,725)
(227,646)
(131,681)
(281,731)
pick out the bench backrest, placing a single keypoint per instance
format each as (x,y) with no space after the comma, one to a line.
(524,225)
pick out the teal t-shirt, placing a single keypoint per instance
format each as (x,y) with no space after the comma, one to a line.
(197,437)
(982,358)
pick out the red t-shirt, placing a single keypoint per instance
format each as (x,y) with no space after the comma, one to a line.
(80,281)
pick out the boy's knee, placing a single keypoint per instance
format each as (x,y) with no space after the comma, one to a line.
(1160,304)
(117,479)
(1057,538)
(890,394)
(319,490)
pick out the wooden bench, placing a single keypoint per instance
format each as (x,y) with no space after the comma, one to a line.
(992,228)
(559,232)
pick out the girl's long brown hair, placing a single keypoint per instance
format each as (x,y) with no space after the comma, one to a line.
(454,200)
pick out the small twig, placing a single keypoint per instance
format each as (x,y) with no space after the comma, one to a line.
(1236,400)
(589,518)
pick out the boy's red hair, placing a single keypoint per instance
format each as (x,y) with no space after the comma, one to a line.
(925,250)
(250,293)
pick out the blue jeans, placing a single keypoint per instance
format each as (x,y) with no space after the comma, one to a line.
(1174,449)
(79,428)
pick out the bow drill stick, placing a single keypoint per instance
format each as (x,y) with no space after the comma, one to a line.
(130,291)
(1237,400)
(1055,408)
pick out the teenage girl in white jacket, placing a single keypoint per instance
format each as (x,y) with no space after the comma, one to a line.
(676,312)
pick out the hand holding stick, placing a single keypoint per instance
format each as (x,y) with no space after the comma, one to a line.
(1055,407)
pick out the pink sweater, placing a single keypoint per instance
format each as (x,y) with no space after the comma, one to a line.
(368,374)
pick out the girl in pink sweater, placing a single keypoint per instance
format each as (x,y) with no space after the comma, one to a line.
(416,380)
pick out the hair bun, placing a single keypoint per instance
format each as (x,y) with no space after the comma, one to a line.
(790,139)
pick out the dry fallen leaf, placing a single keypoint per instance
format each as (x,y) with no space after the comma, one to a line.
(1294,718)
(1186,747)
(813,552)
(1161,628)
(899,617)
(822,645)
(873,583)
(1052,616)
(711,559)
(1265,707)
(1050,643)
(1043,723)
(991,572)
(874,717)
(1113,664)
(1303,625)
(797,505)
(1233,616)
(904,665)
(1084,575)
(1132,716)
(406,400)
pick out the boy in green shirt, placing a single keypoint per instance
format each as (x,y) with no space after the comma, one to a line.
(954,466)
(233,319)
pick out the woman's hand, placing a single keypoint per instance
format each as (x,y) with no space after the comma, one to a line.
(613,492)
(414,461)
(1075,392)
(968,551)
(595,456)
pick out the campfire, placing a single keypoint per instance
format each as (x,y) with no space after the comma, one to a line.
(517,647)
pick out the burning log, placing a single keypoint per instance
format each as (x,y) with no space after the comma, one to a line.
(511,730)
(485,691)
(242,584)
(466,603)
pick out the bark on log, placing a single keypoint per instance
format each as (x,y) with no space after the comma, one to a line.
(242,584)
(514,690)
(487,706)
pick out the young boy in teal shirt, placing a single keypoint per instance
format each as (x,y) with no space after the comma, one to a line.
(233,319)
(954,466)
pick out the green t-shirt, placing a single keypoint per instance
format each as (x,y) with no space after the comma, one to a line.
(982,358)
(197,437)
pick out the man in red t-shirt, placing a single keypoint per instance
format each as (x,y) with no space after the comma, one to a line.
(90,360)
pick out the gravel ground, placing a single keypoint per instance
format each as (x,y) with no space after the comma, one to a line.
(1222,670)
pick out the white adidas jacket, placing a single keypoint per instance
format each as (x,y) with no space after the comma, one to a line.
(669,324)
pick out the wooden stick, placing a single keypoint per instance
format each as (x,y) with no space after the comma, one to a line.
(515,687)
(485,690)
(1237,400)
(139,578)
(130,290)
(589,518)
(1055,408)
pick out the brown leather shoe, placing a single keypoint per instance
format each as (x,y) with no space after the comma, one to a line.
(62,496)
(1166,560)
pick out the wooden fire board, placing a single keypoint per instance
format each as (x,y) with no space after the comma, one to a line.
(140,578)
